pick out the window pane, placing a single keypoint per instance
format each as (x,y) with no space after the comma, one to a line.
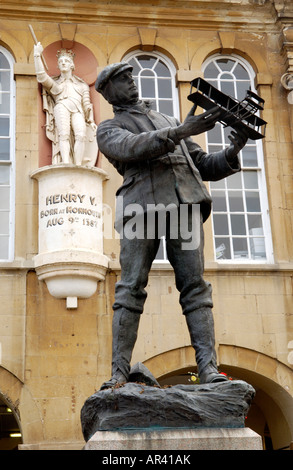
(226,64)
(4,175)
(148,88)
(255,224)
(238,224)
(147,73)
(4,197)
(221,224)
(236,201)
(4,222)
(136,67)
(217,184)
(241,73)
(211,71)
(4,81)
(234,181)
(4,149)
(166,107)
(4,247)
(4,64)
(4,103)
(147,61)
(164,88)
(242,88)
(252,201)
(215,136)
(257,247)
(227,76)
(249,157)
(215,148)
(4,126)
(219,201)
(250,179)
(222,248)
(240,247)
(228,88)
(162,70)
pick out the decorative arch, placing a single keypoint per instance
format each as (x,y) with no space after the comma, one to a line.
(13,46)
(161,45)
(253,362)
(53,38)
(272,380)
(231,45)
(15,394)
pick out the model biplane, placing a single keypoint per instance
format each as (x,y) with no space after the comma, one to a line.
(234,113)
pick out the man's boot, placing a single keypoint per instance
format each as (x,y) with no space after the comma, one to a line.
(124,330)
(201,329)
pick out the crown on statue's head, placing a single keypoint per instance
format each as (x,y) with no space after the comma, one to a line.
(65,52)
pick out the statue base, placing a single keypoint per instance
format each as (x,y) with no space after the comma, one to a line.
(176,440)
(141,406)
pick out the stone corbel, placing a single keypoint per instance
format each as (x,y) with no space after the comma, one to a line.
(287,82)
(287,78)
(147,38)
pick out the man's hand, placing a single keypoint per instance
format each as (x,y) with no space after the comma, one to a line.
(194,125)
(238,140)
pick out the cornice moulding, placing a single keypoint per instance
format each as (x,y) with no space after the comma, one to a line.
(208,14)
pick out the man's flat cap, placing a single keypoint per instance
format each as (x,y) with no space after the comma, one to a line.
(109,72)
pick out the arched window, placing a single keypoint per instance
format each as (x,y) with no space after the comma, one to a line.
(241,226)
(154,75)
(7,115)
(155,79)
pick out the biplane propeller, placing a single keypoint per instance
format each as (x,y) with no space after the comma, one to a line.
(234,113)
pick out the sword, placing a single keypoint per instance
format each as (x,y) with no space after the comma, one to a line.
(36,42)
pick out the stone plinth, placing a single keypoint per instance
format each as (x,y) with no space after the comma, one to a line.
(146,406)
(70,258)
(177,440)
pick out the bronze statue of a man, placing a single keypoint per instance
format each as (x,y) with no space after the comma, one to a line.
(160,164)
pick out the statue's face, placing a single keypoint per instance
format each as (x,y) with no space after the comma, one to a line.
(65,63)
(125,87)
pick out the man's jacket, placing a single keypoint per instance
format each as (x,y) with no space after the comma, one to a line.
(156,170)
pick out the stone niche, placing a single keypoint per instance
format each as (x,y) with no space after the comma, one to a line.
(70,258)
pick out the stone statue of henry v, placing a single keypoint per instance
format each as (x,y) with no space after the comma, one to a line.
(69,113)
(160,164)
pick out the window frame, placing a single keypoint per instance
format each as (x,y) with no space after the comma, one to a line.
(262,185)
(172,69)
(11,162)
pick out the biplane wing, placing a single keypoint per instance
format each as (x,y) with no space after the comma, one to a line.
(234,113)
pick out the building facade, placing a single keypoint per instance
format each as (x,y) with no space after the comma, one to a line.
(55,349)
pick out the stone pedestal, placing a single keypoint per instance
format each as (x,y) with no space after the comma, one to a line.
(142,415)
(176,440)
(70,258)
(135,406)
